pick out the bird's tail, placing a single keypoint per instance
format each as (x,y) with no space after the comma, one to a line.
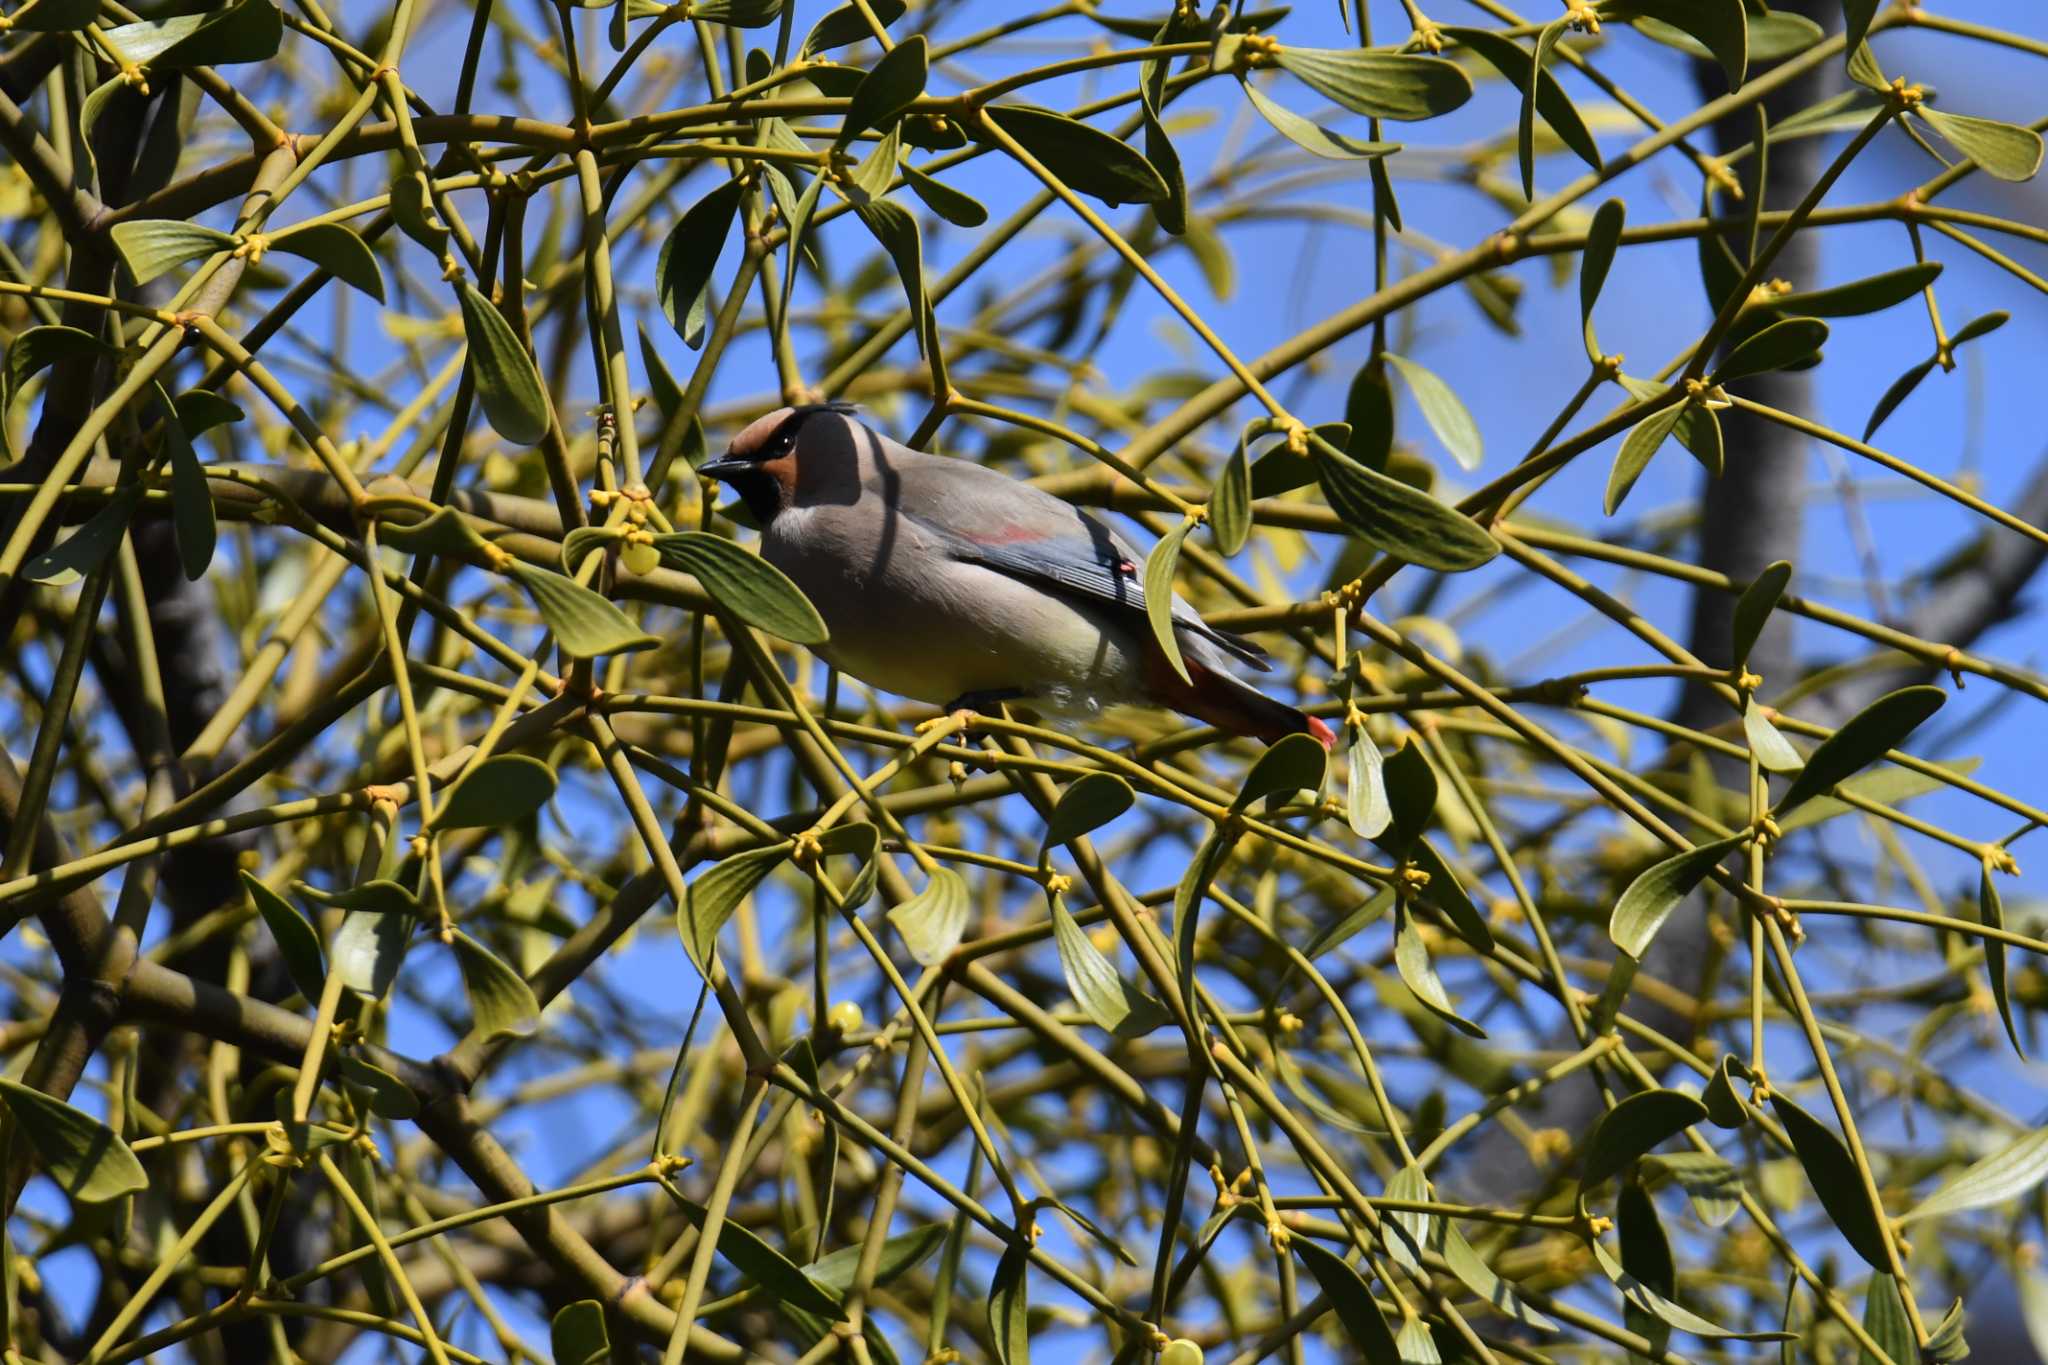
(1229,703)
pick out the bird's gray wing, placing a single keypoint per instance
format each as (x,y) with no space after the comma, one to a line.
(1079,558)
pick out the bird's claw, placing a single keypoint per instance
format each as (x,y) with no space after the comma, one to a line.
(960,718)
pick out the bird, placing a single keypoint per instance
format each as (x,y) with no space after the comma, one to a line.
(944,581)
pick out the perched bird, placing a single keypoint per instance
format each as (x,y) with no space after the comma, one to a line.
(949,583)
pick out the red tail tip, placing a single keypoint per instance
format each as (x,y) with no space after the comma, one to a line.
(1323,734)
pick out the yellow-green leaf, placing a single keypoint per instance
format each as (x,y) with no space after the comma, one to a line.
(2006,151)
(2005,1174)
(1773,751)
(502,790)
(933,920)
(578,1335)
(745,584)
(1754,607)
(336,250)
(151,246)
(81,1154)
(1160,566)
(1398,518)
(710,901)
(1089,802)
(1384,85)
(500,1001)
(1443,410)
(585,624)
(1833,1174)
(1105,995)
(298,945)
(1643,441)
(1652,897)
(1230,501)
(507,384)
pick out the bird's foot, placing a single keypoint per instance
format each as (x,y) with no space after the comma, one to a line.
(960,718)
(967,709)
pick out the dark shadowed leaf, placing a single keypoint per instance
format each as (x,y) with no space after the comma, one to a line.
(1861,741)
(710,901)
(1645,1255)
(1643,441)
(1476,1275)
(1313,137)
(151,246)
(2006,1174)
(1411,796)
(847,25)
(1009,1312)
(298,945)
(503,789)
(1869,295)
(2005,151)
(1832,1172)
(1725,1107)
(1650,1301)
(55,16)
(1884,1317)
(738,13)
(1351,1299)
(1856,17)
(1779,346)
(1754,607)
(201,410)
(961,210)
(390,1098)
(1449,896)
(191,497)
(1651,897)
(897,231)
(578,1335)
(1991,909)
(1086,159)
(1525,131)
(412,208)
(860,842)
(1632,1128)
(1901,389)
(1712,1183)
(933,920)
(1411,959)
(745,584)
(88,547)
(1397,518)
(1603,237)
(1230,501)
(1160,566)
(500,1001)
(1507,56)
(36,349)
(507,384)
(1443,410)
(1089,802)
(80,1153)
(889,86)
(338,251)
(248,31)
(1384,85)
(682,273)
(1720,27)
(901,1254)
(1290,764)
(586,625)
(784,1280)
(378,896)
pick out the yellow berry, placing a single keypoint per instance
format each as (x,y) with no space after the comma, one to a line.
(844,1017)
(640,558)
(1181,1351)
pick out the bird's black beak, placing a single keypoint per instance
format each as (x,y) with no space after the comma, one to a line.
(724,467)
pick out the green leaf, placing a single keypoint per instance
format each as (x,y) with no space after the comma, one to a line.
(1644,440)
(1782,345)
(1646,1256)
(390,1098)
(502,790)
(1411,797)
(368,948)
(862,842)
(55,16)
(1230,501)
(710,901)
(507,384)
(82,1154)
(1476,1275)
(2006,1174)
(1009,1313)
(1446,414)
(887,89)
(1160,565)
(1980,326)
(1525,132)
(1290,764)
(1773,751)
(1384,85)
(1946,1343)
(1105,995)
(1862,740)
(412,208)
(1089,802)
(1650,1301)
(586,625)
(2004,150)
(1401,520)
(932,921)
(249,31)
(1652,897)
(961,210)
(1753,609)
(500,1001)
(578,1335)
(1886,786)
(1884,1318)
(689,255)
(738,13)
(378,896)
(151,246)
(760,1262)
(1408,1232)
(897,231)
(1835,1179)
(1901,389)
(1172,211)
(901,1254)
(88,547)
(1991,909)
(1188,896)
(1506,56)
(1411,959)
(1712,1183)
(745,584)
(298,945)
(847,25)
(1725,1108)
(1366,808)
(201,410)
(1603,237)
(191,497)
(1631,1128)
(443,532)
(1719,27)
(1085,159)
(1858,297)
(1856,17)
(1448,895)
(38,348)
(1342,929)
(1350,1297)
(1313,137)
(336,250)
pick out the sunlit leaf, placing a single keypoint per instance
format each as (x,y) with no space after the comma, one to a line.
(1397,518)
(1402,86)
(1160,567)
(901,1254)
(1365,787)
(933,921)
(1753,608)
(151,246)
(338,251)
(1313,137)
(247,31)
(1089,802)
(502,790)
(1652,896)
(1712,1183)
(500,1001)
(586,624)
(1009,1313)
(710,901)
(79,1152)
(1773,751)
(1105,995)
(1443,410)
(1086,160)
(507,383)
(367,949)
(1290,764)
(1476,1275)
(1644,440)
(1411,959)
(2006,151)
